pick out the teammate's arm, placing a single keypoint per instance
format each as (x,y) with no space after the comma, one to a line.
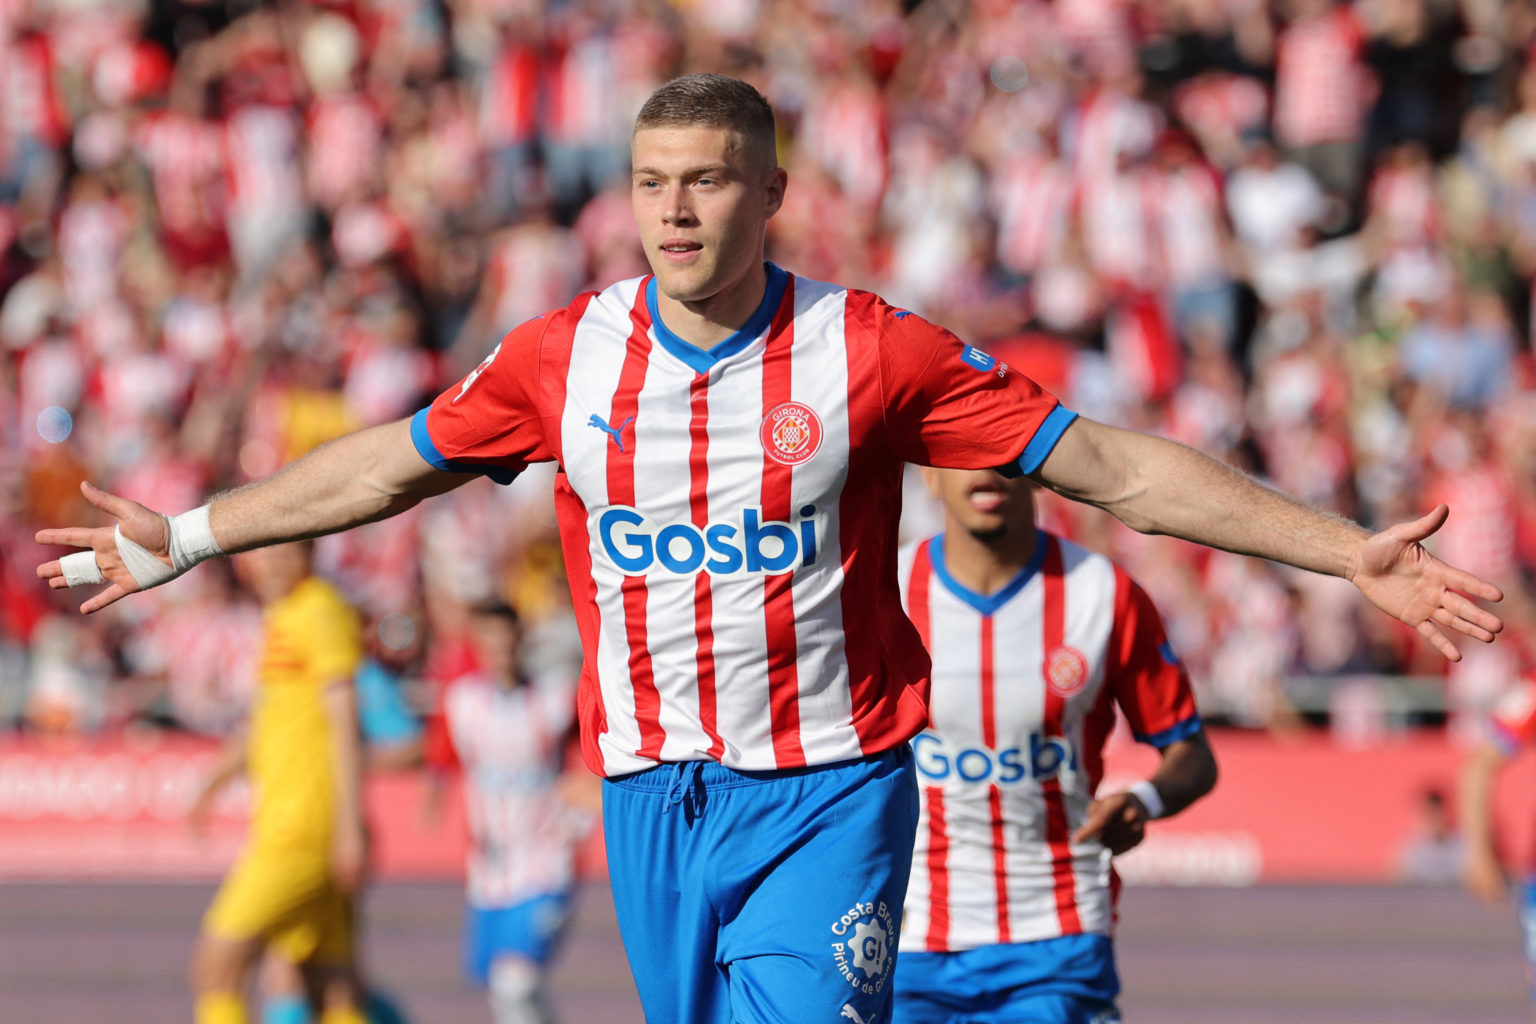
(229,764)
(1186,773)
(1483,873)
(348,845)
(360,478)
(1158,486)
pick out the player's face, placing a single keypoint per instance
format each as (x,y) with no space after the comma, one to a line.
(982,502)
(702,205)
(496,645)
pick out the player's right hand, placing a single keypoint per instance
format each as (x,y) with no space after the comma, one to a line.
(140,524)
(1484,877)
(1119,821)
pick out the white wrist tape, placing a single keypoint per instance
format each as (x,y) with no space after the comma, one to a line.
(146,569)
(80,569)
(1148,795)
(192,539)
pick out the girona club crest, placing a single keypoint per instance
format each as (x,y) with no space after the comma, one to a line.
(1066,671)
(791,433)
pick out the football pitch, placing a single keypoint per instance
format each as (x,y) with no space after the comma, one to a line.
(117,952)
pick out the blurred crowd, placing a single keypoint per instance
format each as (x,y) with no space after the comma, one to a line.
(1297,234)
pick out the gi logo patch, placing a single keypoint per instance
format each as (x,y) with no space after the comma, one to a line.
(791,433)
(1066,671)
(862,946)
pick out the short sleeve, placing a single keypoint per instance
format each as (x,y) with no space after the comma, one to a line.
(489,422)
(334,634)
(950,404)
(1513,724)
(1147,678)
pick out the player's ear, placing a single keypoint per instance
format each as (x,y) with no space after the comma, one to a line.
(931,478)
(773,191)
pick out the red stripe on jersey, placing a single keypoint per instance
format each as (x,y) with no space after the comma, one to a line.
(778,600)
(1057,833)
(938,872)
(703,598)
(621,491)
(999,862)
(994,794)
(917,589)
(988,686)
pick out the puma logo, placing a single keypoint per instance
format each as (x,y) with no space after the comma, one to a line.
(616,433)
(853,1015)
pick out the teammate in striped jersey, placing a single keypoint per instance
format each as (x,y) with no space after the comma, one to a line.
(507,735)
(731,441)
(1035,643)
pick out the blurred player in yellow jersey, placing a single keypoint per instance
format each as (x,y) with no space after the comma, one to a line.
(293,886)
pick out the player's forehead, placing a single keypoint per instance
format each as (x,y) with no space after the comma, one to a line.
(678,148)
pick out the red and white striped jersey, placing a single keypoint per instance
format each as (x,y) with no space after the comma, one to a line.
(729,518)
(1025,686)
(509,745)
(1513,722)
(1320,82)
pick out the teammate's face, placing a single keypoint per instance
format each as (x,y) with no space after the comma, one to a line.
(496,644)
(702,204)
(982,502)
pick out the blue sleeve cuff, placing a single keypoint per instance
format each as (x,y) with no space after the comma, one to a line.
(1046,436)
(434,458)
(1499,735)
(1183,731)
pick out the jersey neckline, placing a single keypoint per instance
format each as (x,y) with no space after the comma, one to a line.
(704,360)
(987,604)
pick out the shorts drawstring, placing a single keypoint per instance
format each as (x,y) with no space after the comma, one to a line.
(683,787)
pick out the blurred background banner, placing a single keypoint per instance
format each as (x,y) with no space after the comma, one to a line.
(1308,809)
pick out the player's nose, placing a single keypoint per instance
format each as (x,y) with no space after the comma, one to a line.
(676,209)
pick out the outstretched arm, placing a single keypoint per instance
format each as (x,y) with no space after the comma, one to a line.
(1157,486)
(360,478)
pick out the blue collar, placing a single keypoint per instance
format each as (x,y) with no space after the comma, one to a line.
(701,360)
(987,604)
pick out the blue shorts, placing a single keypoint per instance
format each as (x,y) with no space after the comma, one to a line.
(529,930)
(762,897)
(1070,980)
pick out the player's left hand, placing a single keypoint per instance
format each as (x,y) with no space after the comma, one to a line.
(144,526)
(1119,821)
(1400,577)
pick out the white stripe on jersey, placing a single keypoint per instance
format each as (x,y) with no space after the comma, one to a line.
(820,375)
(597,359)
(954,747)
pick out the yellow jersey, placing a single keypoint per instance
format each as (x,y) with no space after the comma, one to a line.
(312,638)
